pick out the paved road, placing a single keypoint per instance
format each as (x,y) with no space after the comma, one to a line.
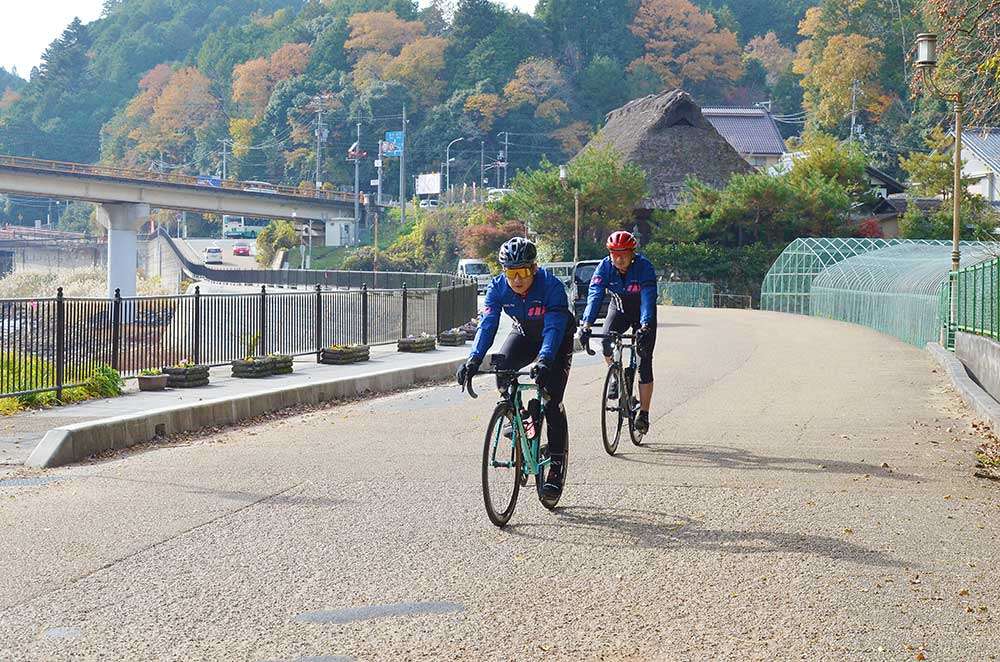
(196,250)
(806,494)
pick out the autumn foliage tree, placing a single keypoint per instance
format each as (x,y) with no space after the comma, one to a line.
(970,47)
(387,47)
(684,45)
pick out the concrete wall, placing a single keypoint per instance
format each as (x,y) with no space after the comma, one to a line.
(156,259)
(50,256)
(981,357)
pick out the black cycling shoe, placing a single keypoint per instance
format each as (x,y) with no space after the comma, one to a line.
(642,422)
(553,487)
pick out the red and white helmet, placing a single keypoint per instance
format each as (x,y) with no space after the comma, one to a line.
(622,241)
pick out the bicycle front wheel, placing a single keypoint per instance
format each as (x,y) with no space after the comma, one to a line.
(501,466)
(611,411)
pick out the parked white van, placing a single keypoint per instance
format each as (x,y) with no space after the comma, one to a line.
(477,270)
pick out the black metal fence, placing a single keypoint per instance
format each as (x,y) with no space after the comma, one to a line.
(51,344)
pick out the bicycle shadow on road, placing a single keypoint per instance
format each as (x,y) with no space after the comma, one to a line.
(621,527)
(729,457)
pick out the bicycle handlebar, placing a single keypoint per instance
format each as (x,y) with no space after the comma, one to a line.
(467,386)
(612,335)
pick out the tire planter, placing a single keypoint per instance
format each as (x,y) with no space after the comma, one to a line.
(190,377)
(421,344)
(340,355)
(281,364)
(451,338)
(253,369)
(153,382)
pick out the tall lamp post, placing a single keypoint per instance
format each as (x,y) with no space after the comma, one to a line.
(447,166)
(564,180)
(926,63)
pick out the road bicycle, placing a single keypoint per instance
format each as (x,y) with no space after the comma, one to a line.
(512,449)
(614,412)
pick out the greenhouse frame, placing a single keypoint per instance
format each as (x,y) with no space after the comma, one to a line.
(895,286)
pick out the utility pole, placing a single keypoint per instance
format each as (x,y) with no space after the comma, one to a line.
(506,150)
(357,190)
(854,98)
(225,144)
(320,136)
(378,169)
(482,154)
(402,173)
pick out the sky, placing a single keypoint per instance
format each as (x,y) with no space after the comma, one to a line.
(27,28)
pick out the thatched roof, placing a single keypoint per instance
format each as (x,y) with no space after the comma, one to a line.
(667,136)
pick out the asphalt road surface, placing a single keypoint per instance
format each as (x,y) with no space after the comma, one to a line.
(196,249)
(806,492)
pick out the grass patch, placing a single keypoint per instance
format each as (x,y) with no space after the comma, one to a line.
(33,372)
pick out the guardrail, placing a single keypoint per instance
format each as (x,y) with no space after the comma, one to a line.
(56,343)
(977,301)
(311,277)
(68,168)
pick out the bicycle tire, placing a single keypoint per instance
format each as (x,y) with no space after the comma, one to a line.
(633,411)
(494,435)
(611,443)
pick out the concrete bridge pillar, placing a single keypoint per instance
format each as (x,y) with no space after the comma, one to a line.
(123,221)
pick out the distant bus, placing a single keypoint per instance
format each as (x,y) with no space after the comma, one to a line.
(242,227)
(259,187)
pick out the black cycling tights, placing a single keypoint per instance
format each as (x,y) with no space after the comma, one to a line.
(617,321)
(518,352)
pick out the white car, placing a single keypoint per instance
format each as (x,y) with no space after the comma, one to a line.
(213,255)
(478,271)
(429,203)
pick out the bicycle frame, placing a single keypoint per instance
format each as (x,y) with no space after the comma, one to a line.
(510,392)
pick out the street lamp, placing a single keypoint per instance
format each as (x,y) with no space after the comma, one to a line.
(447,166)
(926,62)
(564,181)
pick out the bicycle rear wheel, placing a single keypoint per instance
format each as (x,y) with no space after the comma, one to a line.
(611,411)
(633,411)
(501,467)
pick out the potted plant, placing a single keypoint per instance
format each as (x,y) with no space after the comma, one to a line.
(186,374)
(281,364)
(344,354)
(421,343)
(152,379)
(253,367)
(470,328)
(452,338)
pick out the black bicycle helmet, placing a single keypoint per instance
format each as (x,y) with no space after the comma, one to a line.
(517,252)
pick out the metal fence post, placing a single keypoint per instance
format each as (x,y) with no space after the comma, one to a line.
(319,322)
(364,314)
(116,328)
(262,344)
(197,325)
(60,341)
(439,326)
(404,310)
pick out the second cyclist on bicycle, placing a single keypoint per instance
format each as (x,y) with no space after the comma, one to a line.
(631,279)
(543,333)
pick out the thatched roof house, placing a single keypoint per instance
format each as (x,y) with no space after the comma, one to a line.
(667,136)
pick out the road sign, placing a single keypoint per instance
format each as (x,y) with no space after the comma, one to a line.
(205,180)
(393,145)
(373,182)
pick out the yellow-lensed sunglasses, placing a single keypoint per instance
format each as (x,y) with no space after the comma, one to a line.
(515,272)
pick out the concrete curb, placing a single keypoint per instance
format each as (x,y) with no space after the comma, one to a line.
(972,393)
(73,443)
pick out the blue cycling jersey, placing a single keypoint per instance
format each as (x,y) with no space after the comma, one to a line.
(635,286)
(543,312)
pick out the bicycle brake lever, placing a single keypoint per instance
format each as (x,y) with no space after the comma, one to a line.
(468,385)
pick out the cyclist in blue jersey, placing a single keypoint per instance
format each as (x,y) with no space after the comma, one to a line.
(543,333)
(631,279)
